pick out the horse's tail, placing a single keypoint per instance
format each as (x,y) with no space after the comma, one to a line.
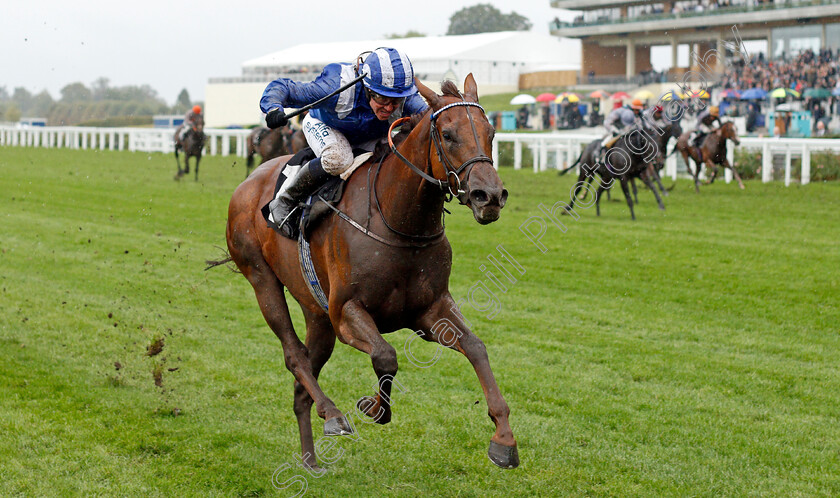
(561,173)
(212,263)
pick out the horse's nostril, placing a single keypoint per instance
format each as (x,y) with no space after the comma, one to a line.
(503,198)
(479,197)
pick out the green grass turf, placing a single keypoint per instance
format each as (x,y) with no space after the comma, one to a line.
(689,353)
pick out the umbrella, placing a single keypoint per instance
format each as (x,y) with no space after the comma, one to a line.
(546,97)
(699,94)
(644,95)
(753,93)
(620,96)
(670,95)
(599,94)
(817,93)
(571,97)
(523,98)
(729,93)
(783,92)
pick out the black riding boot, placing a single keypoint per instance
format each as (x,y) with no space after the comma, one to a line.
(310,176)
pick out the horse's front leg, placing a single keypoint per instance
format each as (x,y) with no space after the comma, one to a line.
(646,178)
(734,172)
(197,160)
(447,327)
(357,328)
(626,191)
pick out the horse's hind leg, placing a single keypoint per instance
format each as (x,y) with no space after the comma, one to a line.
(357,329)
(247,255)
(448,328)
(320,340)
(635,191)
(197,160)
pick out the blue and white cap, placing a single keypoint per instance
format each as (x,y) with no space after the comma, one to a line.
(389,72)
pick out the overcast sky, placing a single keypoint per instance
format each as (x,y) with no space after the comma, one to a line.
(175,44)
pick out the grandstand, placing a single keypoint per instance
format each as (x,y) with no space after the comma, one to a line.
(617,36)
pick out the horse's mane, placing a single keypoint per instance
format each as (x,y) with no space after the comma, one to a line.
(382,148)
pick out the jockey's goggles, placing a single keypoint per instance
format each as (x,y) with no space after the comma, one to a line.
(383,100)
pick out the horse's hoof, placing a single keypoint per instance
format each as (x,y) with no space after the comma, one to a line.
(366,404)
(506,457)
(337,426)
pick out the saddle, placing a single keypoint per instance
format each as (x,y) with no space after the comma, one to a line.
(612,142)
(314,209)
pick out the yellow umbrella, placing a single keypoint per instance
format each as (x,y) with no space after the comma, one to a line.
(644,95)
(700,94)
(668,96)
(571,97)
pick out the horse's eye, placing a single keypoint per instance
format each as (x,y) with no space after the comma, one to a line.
(447,136)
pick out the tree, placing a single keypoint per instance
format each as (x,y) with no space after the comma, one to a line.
(484,18)
(408,34)
(12,114)
(100,88)
(22,99)
(75,92)
(183,102)
(41,104)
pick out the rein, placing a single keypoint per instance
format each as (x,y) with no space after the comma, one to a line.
(445,186)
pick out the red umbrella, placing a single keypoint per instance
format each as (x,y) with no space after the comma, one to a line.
(620,96)
(546,97)
(599,94)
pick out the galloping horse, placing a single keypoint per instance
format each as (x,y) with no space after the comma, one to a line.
(192,145)
(627,159)
(713,152)
(268,144)
(392,273)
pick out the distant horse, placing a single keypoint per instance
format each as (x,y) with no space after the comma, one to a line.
(268,144)
(298,141)
(712,152)
(192,145)
(380,272)
(628,158)
(671,130)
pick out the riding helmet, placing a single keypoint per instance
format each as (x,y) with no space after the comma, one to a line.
(197,109)
(389,72)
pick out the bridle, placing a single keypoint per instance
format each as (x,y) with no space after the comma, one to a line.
(445,185)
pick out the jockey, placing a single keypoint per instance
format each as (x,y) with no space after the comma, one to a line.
(192,119)
(618,122)
(357,117)
(705,120)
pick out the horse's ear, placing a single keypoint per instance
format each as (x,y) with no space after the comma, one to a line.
(431,97)
(470,89)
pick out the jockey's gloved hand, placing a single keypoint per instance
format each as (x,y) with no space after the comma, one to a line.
(276,118)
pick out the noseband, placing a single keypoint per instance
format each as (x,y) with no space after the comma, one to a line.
(445,185)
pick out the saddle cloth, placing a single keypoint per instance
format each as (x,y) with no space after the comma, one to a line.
(313,209)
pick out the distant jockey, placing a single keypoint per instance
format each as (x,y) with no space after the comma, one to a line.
(705,120)
(618,122)
(355,118)
(193,119)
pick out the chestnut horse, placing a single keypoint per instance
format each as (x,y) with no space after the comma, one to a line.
(390,274)
(192,145)
(268,144)
(713,152)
